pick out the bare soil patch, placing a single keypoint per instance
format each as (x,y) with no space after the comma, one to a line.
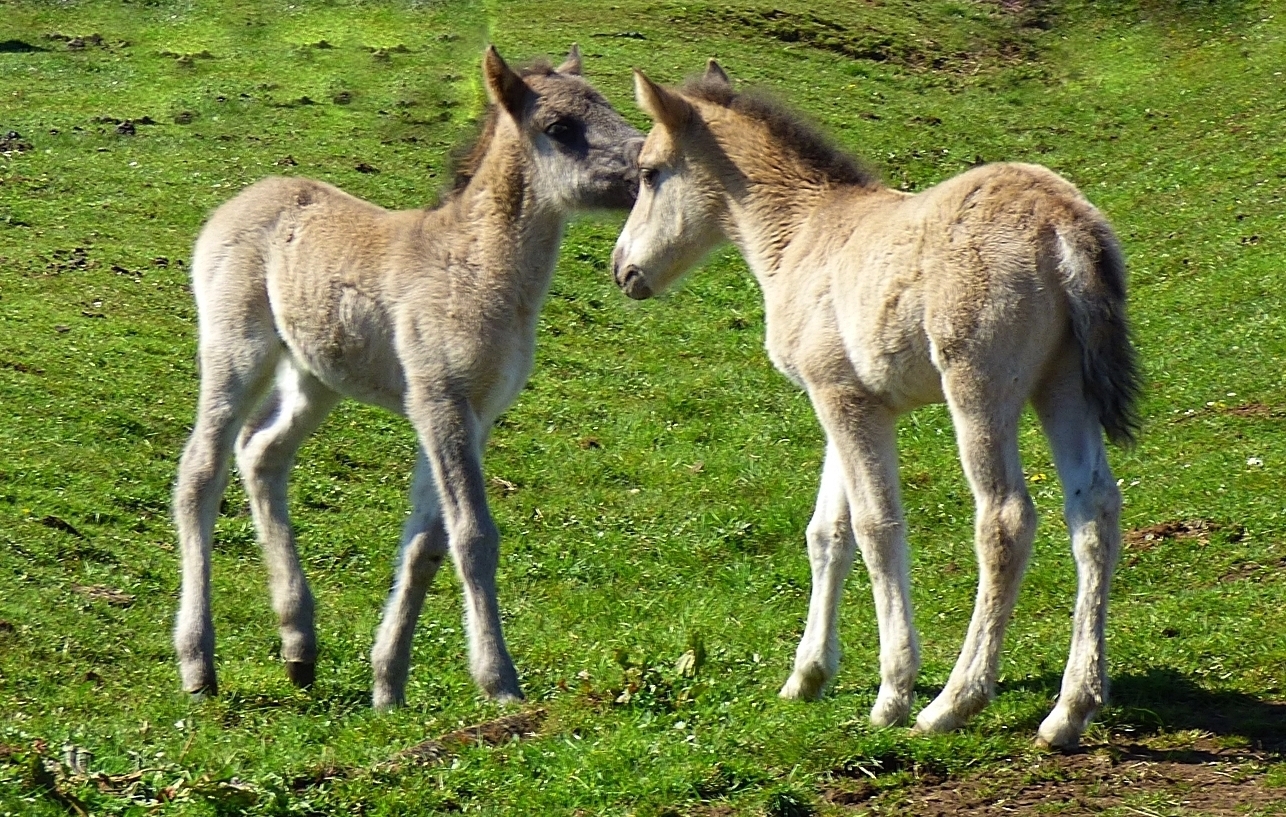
(1147,538)
(1128,778)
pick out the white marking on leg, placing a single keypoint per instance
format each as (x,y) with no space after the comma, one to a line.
(1004,528)
(831,549)
(451,435)
(862,432)
(232,382)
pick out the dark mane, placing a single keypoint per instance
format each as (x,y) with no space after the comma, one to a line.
(466,160)
(788,127)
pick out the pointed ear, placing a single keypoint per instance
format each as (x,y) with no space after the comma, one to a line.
(665,107)
(572,64)
(504,87)
(715,73)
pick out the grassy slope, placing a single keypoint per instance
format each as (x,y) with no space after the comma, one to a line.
(661,473)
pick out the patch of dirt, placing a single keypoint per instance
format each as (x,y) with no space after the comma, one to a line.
(1147,538)
(1255,410)
(1202,778)
(868,42)
(76,258)
(435,751)
(79,42)
(491,733)
(101,592)
(56,523)
(14,143)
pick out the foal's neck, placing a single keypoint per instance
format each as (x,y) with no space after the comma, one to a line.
(518,231)
(770,197)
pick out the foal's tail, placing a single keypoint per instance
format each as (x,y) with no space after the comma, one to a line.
(1093,270)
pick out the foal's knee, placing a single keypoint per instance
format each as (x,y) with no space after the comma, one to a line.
(1093,514)
(1006,530)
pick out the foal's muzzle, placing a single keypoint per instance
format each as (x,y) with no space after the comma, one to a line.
(630,279)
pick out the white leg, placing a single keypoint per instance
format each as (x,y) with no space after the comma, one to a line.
(451,436)
(1092,508)
(232,381)
(1005,525)
(862,432)
(830,554)
(266,450)
(424,545)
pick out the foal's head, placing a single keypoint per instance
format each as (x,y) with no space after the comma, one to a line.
(583,154)
(709,146)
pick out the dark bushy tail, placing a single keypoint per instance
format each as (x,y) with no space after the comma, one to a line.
(1094,275)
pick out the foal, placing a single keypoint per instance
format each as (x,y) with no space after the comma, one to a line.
(995,288)
(306,295)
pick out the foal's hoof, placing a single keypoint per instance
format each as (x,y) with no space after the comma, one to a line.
(1059,733)
(301,673)
(890,711)
(804,685)
(200,693)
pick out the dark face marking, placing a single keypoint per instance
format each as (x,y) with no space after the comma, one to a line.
(577,123)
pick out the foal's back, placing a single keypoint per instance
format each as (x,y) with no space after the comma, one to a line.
(964,273)
(327,273)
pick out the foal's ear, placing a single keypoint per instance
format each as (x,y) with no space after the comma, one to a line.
(665,107)
(572,64)
(504,87)
(715,73)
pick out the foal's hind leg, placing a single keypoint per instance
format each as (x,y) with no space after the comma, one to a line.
(235,370)
(987,433)
(265,453)
(1092,508)
(424,545)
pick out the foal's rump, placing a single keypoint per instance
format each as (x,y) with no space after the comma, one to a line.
(1024,264)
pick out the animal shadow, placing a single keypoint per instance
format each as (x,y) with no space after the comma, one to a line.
(1162,699)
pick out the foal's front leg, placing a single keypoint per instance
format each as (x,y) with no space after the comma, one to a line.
(451,435)
(830,555)
(424,545)
(862,449)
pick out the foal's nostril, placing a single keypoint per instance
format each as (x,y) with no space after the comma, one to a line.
(633,284)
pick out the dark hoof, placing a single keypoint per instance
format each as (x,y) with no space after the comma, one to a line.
(302,674)
(202,692)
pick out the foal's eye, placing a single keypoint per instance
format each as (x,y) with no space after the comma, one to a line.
(562,130)
(650,175)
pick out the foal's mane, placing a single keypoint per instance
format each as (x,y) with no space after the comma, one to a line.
(789,129)
(466,160)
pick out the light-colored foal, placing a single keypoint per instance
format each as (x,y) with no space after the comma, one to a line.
(995,288)
(306,295)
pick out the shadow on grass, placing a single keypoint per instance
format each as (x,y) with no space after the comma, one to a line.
(1164,699)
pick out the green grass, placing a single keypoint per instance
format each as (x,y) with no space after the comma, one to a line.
(653,482)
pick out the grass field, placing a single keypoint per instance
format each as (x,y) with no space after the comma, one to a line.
(653,482)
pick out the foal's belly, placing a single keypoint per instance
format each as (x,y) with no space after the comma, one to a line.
(904,381)
(345,340)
